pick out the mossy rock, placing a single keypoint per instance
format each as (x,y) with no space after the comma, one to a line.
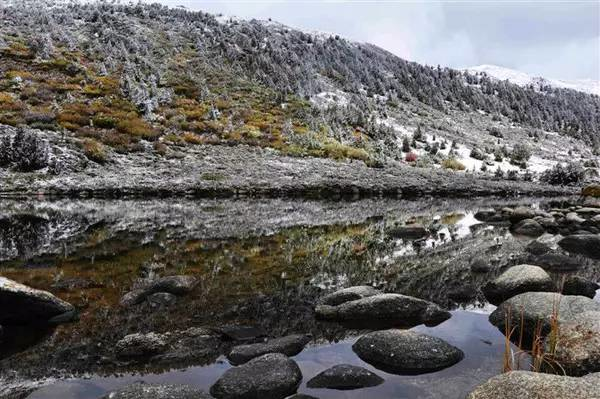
(593,190)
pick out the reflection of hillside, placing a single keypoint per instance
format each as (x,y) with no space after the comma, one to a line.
(269,274)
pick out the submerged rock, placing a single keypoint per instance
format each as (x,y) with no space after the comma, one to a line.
(539,307)
(406,352)
(345,377)
(289,346)
(584,244)
(528,227)
(521,213)
(517,280)
(349,294)
(21,304)
(147,391)
(272,376)
(175,285)
(531,385)
(385,310)
(140,345)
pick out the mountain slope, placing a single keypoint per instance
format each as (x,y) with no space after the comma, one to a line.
(122,79)
(522,79)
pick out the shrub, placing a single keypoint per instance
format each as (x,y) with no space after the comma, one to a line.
(561,175)
(418,136)
(93,150)
(411,157)
(494,131)
(499,173)
(476,153)
(405,144)
(520,153)
(192,138)
(512,175)
(137,127)
(453,164)
(104,122)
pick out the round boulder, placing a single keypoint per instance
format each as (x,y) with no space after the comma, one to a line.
(406,352)
(289,346)
(532,308)
(139,345)
(531,385)
(528,227)
(272,376)
(345,377)
(21,304)
(517,280)
(349,294)
(389,310)
(577,348)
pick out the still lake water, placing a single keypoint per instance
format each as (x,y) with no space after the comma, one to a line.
(259,263)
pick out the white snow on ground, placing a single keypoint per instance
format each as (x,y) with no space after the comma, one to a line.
(326,98)
(522,79)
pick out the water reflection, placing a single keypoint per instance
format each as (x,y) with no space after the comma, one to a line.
(259,263)
(482,344)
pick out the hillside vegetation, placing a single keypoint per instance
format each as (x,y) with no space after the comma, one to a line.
(118,75)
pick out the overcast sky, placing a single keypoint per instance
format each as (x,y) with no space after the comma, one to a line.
(554,39)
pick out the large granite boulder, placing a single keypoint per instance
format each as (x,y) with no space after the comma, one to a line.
(20,304)
(406,352)
(384,310)
(289,346)
(577,348)
(531,308)
(530,385)
(272,376)
(517,280)
(345,377)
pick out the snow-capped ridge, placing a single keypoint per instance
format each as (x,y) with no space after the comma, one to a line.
(589,86)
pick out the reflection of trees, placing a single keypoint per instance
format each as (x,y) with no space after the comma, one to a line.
(22,236)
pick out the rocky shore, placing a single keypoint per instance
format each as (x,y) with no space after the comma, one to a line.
(241,170)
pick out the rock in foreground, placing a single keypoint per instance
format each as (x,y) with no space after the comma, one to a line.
(577,349)
(146,391)
(345,377)
(272,376)
(517,280)
(406,352)
(20,304)
(349,294)
(289,346)
(530,385)
(389,310)
(539,307)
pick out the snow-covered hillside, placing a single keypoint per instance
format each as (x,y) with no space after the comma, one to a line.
(522,79)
